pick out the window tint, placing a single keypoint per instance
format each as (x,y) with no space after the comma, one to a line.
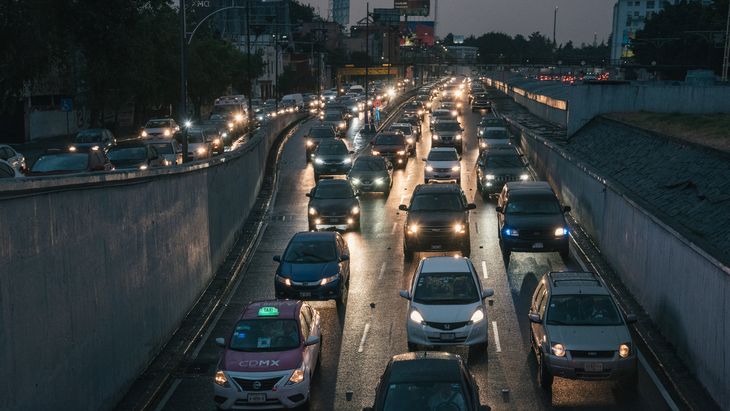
(265,335)
(437,202)
(582,309)
(445,288)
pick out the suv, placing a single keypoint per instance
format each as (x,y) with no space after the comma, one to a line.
(333,204)
(498,166)
(442,164)
(578,332)
(447,134)
(446,304)
(530,218)
(437,220)
(316,135)
(332,158)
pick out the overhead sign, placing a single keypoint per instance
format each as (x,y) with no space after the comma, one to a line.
(388,17)
(413,7)
(372,71)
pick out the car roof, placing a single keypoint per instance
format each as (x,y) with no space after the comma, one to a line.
(442,264)
(441,366)
(287,308)
(449,149)
(529,186)
(436,188)
(575,282)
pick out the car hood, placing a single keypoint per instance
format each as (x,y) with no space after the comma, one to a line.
(333,205)
(243,361)
(535,221)
(435,218)
(503,170)
(439,313)
(442,164)
(589,338)
(332,157)
(302,272)
(367,175)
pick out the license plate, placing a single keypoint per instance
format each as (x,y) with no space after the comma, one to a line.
(436,247)
(594,367)
(258,397)
(447,336)
(305,294)
(538,245)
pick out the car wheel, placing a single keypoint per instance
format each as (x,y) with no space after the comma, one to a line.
(342,299)
(466,250)
(544,378)
(506,253)
(412,346)
(565,253)
(407,252)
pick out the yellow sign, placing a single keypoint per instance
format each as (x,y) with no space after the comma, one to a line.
(372,71)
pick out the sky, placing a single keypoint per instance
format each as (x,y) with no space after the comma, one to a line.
(577,20)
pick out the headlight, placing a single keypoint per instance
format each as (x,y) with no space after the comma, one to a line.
(511,232)
(355,181)
(477,316)
(624,350)
(296,377)
(201,150)
(458,136)
(342,124)
(458,105)
(562,231)
(490,176)
(413,228)
(238,117)
(284,280)
(217,141)
(143,167)
(224,134)
(348,160)
(379,181)
(409,140)
(524,177)
(328,280)
(435,136)
(416,317)
(309,143)
(428,104)
(230,124)
(72,149)
(482,144)
(376,153)
(402,152)
(144,133)
(312,211)
(318,160)
(558,350)
(429,169)
(354,108)
(459,228)
(355,210)
(221,379)
(454,113)
(167,132)
(455,168)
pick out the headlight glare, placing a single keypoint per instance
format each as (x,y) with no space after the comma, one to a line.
(318,160)
(413,228)
(402,152)
(296,377)
(624,350)
(416,317)
(477,316)
(490,176)
(558,350)
(328,280)
(348,160)
(524,177)
(459,228)
(221,379)
(429,169)
(355,210)
(511,232)
(561,231)
(455,168)
(355,181)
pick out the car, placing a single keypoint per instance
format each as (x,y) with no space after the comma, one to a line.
(437,220)
(270,356)
(8,171)
(331,158)
(333,204)
(200,142)
(481,103)
(335,120)
(442,165)
(414,121)
(55,163)
(371,174)
(12,157)
(92,137)
(427,381)
(448,133)
(439,115)
(493,137)
(453,106)
(446,304)
(160,128)
(411,136)
(414,107)
(530,218)
(393,146)
(314,266)
(316,135)
(169,150)
(498,166)
(490,121)
(578,332)
(134,155)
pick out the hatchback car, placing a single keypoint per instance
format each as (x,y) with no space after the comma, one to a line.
(393,146)
(371,174)
(447,384)
(15,159)
(498,166)
(270,357)
(316,135)
(446,304)
(134,155)
(578,332)
(160,128)
(530,218)
(447,134)
(314,266)
(70,163)
(333,204)
(332,158)
(442,164)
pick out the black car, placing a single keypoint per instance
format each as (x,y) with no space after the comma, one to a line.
(333,204)
(86,139)
(437,220)
(371,173)
(135,155)
(314,266)
(332,158)
(393,146)
(498,166)
(448,134)
(427,380)
(56,163)
(414,121)
(316,135)
(481,103)
(530,218)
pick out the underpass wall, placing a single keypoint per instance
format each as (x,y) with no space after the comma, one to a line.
(97,271)
(685,291)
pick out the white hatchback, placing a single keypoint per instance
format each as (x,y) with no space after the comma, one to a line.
(442,165)
(446,304)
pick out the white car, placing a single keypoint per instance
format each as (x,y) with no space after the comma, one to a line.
(442,164)
(160,128)
(446,304)
(7,170)
(15,159)
(198,145)
(493,137)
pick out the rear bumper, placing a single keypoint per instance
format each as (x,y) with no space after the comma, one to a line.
(535,245)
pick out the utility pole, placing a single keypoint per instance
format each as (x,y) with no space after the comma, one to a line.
(555,24)
(726,54)
(367,57)
(183,80)
(249,110)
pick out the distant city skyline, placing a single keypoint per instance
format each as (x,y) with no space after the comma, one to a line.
(578,20)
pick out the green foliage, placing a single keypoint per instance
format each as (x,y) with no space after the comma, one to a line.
(300,13)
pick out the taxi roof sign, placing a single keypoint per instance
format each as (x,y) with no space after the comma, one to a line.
(268,312)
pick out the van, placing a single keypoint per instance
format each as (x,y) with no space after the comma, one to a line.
(357,89)
(295,101)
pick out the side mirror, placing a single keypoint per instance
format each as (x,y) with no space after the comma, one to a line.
(277,258)
(308,194)
(480,163)
(405,294)
(403,207)
(630,318)
(566,209)
(221,342)
(471,206)
(351,152)
(499,209)
(534,317)
(487,292)
(345,257)
(311,340)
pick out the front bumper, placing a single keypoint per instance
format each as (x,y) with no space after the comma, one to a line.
(371,186)
(591,369)
(443,240)
(331,169)
(469,334)
(235,397)
(395,158)
(312,291)
(536,245)
(442,176)
(339,222)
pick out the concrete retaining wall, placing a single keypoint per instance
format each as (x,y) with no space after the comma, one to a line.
(685,291)
(50,123)
(96,272)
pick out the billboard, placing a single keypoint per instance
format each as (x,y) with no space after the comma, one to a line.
(388,17)
(417,33)
(413,7)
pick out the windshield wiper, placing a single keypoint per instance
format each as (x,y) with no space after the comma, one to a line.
(556,322)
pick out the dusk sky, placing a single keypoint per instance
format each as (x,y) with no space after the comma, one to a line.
(578,20)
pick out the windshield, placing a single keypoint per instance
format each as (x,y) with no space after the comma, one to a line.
(496,134)
(310,251)
(88,136)
(333,117)
(445,288)
(390,140)
(226,109)
(439,113)
(163,148)
(431,396)
(265,335)
(61,162)
(332,149)
(333,191)
(582,309)
(157,124)
(509,161)
(533,205)
(321,133)
(196,136)
(374,164)
(448,127)
(443,155)
(437,202)
(127,154)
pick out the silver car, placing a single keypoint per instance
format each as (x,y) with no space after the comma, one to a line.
(14,159)
(443,164)
(578,332)
(446,304)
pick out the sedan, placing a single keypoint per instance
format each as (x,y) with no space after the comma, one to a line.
(372,174)
(70,163)
(332,158)
(169,150)
(333,204)
(131,155)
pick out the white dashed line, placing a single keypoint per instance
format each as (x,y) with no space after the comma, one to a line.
(484,269)
(496,337)
(361,348)
(395,225)
(382,271)
(402,199)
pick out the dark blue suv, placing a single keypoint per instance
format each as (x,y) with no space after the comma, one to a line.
(314,266)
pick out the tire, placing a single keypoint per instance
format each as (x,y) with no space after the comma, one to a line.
(466,250)
(565,254)
(412,347)
(506,253)
(342,299)
(407,252)
(544,378)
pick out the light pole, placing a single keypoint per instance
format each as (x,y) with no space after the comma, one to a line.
(367,57)
(183,79)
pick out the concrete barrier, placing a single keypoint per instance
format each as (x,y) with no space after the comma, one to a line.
(685,291)
(97,271)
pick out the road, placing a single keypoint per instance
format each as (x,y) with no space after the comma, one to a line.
(358,343)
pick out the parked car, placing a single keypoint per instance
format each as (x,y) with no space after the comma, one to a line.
(8,171)
(578,332)
(443,164)
(498,166)
(134,155)
(93,137)
(12,157)
(371,173)
(270,356)
(169,150)
(55,163)
(333,204)
(393,146)
(160,128)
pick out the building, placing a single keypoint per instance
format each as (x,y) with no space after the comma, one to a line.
(340,12)
(463,54)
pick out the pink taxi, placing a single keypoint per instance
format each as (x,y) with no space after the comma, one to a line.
(270,357)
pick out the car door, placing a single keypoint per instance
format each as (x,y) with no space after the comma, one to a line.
(309,359)
(342,249)
(539,305)
(311,316)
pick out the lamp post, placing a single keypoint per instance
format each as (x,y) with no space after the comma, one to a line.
(367,57)
(183,79)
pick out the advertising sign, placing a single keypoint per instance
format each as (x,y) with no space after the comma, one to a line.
(413,7)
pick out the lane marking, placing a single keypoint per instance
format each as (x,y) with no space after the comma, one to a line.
(670,402)
(484,269)
(402,199)
(476,225)
(361,348)
(395,225)
(382,271)
(168,394)
(496,337)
